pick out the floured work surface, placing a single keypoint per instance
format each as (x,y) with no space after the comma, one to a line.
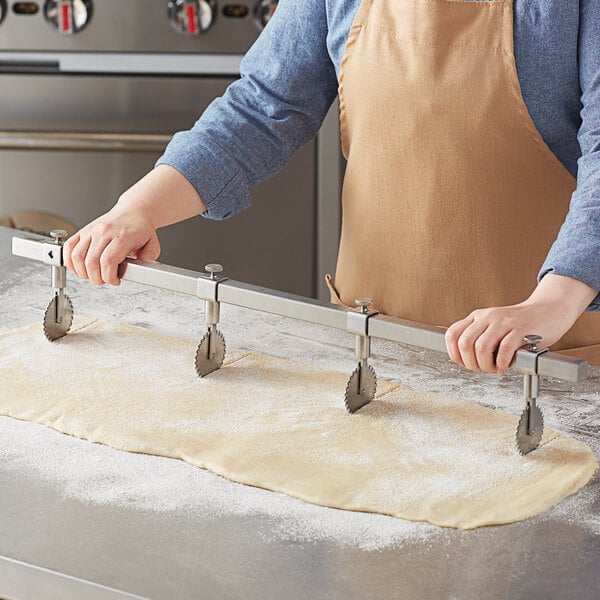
(282,426)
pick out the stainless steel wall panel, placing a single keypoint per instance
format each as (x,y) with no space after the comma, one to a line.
(98,103)
(272,244)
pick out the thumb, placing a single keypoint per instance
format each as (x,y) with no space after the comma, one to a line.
(150,251)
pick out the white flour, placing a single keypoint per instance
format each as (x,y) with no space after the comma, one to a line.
(97,474)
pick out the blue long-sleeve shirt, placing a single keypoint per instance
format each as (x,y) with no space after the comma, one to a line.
(289,79)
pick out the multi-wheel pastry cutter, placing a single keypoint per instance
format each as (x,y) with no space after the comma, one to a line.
(214,289)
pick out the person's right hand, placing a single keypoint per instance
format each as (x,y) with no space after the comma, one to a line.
(162,197)
(96,251)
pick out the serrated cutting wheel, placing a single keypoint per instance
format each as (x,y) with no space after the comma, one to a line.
(58,317)
(530,429)
(210,353)
(361,388)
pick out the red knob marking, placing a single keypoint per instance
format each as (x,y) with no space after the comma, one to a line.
(192,19)
(65,17)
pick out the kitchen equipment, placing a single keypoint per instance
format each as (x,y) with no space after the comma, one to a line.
(363,381)
(59,314)
(93,91)
(531,422)
(211,350)
(214,289)
(77,523)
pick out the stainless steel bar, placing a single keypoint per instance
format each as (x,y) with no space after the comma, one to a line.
(380,326)
(283,304)
(97,142)
(37,249)
(305,309)
(28,248)
(407,332)
(162,276)
(559,366)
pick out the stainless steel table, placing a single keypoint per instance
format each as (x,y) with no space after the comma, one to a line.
(196,536)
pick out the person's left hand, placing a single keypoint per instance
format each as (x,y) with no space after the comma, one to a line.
(487,339)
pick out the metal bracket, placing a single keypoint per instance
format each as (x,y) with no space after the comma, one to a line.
(208,286)
(54,254)
(211,350)
(529,368)
(362,384)
(528,361)
(531,424)
(358,324)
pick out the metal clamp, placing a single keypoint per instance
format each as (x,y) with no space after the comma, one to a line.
(54,252)
(362,384)
(358,324)
(531,424)
(211,349)
(59,313)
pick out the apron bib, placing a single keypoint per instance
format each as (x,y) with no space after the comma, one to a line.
(451,197)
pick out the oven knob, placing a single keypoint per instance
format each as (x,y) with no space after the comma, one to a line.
(192,17)
(68,16)
(2,9)
(263,11)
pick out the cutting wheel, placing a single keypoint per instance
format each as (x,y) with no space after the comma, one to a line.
(361,388)
(58,317)
(208,361)
(530,429)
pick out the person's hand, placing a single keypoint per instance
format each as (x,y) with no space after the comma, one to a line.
(164,196)
(487,339)
(96,251)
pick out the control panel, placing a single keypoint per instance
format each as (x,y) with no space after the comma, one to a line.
(191,17)
(157,26)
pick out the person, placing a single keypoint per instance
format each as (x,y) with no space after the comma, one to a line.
(469,126)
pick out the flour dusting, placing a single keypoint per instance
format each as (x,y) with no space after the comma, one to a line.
(97,474)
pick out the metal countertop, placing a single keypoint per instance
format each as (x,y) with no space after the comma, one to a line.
(60,543)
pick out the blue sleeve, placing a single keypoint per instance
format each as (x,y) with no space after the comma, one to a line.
(576,251)
(287,85)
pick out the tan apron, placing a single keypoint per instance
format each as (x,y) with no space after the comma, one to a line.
(451,197)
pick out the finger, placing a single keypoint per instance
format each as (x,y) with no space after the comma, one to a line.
(150,251)
(68,248)
(452,336)
(114,254)
(466,344)
(506,351)
(92,260)
(78,257)
(486,346)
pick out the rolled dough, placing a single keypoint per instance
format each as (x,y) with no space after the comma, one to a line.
(282,426)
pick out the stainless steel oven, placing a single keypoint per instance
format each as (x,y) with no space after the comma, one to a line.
(92,92)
